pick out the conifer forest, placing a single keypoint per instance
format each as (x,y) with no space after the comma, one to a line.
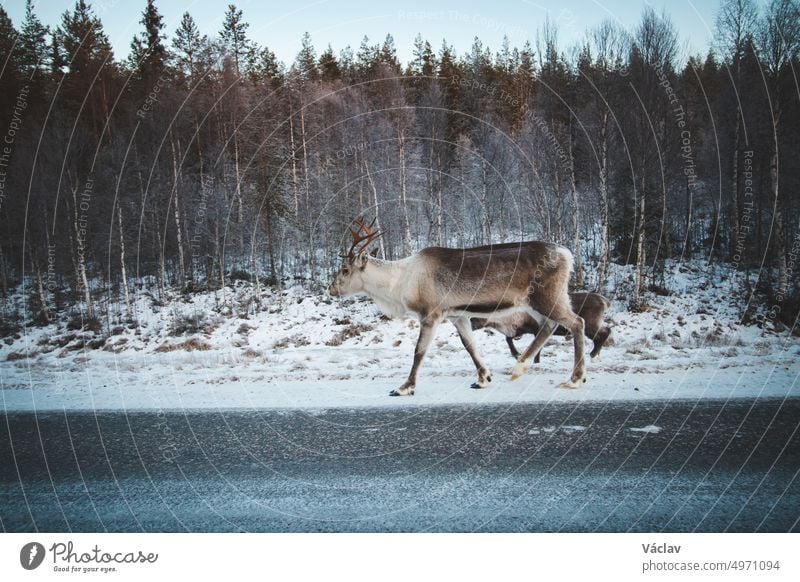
(200,160)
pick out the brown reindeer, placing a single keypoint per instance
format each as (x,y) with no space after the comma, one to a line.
(590,306)
(458,284)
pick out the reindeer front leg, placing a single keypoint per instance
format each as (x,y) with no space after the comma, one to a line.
(464,329)
(428,325)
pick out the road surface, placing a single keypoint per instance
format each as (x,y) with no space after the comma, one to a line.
(621,466)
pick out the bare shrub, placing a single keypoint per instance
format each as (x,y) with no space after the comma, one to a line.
(194,323)
(245,328)
(194,344)
(297,340)
(351,331)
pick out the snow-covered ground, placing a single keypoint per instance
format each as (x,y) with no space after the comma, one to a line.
(303,350)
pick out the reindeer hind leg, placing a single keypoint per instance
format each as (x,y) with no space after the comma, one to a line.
(563,315)
(465,333)
(599,341)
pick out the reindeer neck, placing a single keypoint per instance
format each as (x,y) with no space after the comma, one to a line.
(383,283)
(382,276)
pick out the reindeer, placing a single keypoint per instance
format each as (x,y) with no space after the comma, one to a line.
(457,284)
(590,306)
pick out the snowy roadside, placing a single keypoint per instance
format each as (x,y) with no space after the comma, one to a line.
(176,391)
(305,351)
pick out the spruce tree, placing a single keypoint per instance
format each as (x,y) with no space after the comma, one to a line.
(329,66)
(9,54)
(32,46)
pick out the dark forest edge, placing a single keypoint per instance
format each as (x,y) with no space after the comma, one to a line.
(199,162)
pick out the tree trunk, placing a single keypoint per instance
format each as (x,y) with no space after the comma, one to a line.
(576,240)
(3,272)
(486,228)
(122,263)
(81,262)
(602,269)
(270,241)
(777,224)
(220,253)
(640,240)
(377,206)
(734,209)
(191,272)
(312,263)
(407,245)
(178,227)
(45,309)
(239,201)
(295,186)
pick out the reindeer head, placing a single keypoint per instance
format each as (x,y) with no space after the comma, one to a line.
(350,278)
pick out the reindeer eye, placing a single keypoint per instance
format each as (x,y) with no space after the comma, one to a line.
(345,270)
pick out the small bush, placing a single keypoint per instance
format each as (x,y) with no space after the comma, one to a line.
(96,344)
(79,322)
(193,323)
(240,275)
(245,328)
(64,340)
(659,290)
(351,331)
(190,345)
(9,325)
(297,340)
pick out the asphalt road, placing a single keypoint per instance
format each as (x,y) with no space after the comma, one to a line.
(713,466)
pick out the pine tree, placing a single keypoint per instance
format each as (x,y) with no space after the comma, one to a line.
(450,73)
(366,58)
(191,49)
(306,61)
(265,67)
(234,38)
(83,40)
(347,64)
(89,62)
(388,55)
(424,62)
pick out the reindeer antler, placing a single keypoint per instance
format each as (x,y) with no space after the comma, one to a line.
(364,236)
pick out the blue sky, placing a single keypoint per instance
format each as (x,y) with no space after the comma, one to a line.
(279,25)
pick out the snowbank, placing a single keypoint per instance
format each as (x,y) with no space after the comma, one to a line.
(297,350)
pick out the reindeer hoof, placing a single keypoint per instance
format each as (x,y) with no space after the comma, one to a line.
(595,358)
(518,371)
(483,381)
(402,392)
(571,384)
